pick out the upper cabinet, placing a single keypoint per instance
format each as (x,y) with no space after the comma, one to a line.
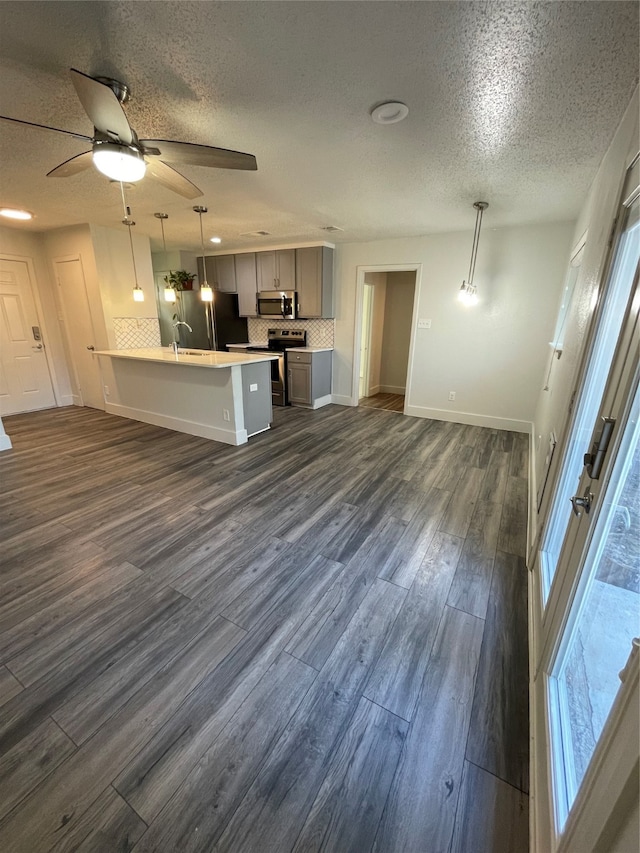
(276,269)
(221,272)
(246,282)
(308,271)
(314,281)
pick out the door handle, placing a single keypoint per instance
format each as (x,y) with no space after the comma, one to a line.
(583,502)
(37,347)
(91,348)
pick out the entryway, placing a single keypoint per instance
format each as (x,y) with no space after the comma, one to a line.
(25,381)
(388,298)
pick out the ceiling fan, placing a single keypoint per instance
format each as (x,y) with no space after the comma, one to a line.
(120,155)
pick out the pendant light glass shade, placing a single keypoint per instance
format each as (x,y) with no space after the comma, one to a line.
(206,292)
(138,294)
(468,293)
(169,294)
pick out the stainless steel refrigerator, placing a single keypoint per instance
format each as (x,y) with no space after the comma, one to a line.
(214,324)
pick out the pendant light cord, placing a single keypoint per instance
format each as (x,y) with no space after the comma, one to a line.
(129,222)
(474,248)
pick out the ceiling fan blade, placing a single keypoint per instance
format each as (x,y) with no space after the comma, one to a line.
(72,166)
(168,177)
(46,127)
(102,106)
(199,155)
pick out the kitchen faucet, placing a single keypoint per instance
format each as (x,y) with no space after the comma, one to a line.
(176,344)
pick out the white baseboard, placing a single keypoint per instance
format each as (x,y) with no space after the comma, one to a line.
(67,400)
(374,389)
(343,400)
(468,418)
(226,436)
(322,401)
(392,389)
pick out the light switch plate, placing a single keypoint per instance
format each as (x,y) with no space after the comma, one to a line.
(253,386)
(424,324)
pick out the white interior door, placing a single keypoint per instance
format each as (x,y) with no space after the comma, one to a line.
(79,330)
(25,382)
(365,342)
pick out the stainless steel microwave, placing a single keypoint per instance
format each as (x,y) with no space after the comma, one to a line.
(280,304)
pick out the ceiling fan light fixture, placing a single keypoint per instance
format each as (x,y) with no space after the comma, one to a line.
(119,162)
(14,213)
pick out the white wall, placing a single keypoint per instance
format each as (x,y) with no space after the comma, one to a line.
(492,355)
(114,268)
(31,245)
(398,313)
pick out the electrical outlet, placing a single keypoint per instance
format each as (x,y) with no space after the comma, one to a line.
(424,324)
(253,386)
(452,395)
(225,415)
(106,390)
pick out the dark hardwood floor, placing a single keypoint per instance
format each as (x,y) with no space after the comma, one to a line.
(315,642)
(390,402)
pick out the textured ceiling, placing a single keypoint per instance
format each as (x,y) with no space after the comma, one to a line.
(510,102)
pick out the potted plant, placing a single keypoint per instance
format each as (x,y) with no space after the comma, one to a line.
(180,280)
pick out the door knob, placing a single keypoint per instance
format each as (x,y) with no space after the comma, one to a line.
(583,502)
(91,348)
(37,347)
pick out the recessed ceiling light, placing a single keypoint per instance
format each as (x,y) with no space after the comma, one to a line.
(216,240)
(389,112)
(330,228)
(14,213)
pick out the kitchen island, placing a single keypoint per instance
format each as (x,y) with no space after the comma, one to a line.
(223,396)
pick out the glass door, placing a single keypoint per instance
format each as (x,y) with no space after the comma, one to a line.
(589,558)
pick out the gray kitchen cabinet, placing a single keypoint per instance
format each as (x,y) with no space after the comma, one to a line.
(246,283)
(276,270)
(225,266)
(314,281)
(221,272)
(309,378)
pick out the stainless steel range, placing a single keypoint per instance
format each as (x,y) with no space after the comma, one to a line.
(279,341)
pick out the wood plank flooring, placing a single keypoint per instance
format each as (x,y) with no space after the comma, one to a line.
(383,400)
(314,642)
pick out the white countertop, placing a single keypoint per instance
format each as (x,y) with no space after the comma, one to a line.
(310,349)
(199,358)
(289,349)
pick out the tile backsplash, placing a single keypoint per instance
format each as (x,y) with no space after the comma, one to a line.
(319,332)
(136,332)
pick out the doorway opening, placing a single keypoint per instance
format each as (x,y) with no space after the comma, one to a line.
(388,298)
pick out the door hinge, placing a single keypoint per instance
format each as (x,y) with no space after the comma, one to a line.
(572,401)
(613,231)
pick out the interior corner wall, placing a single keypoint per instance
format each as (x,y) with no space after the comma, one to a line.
(378,280)
(398,313)
(26,244)
(115,277)
(492,355)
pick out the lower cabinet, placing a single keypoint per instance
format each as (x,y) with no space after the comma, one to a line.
(309,378)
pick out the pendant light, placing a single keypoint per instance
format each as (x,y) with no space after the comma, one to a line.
(138,292)
(468,293)
(206,292)
(169,291)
